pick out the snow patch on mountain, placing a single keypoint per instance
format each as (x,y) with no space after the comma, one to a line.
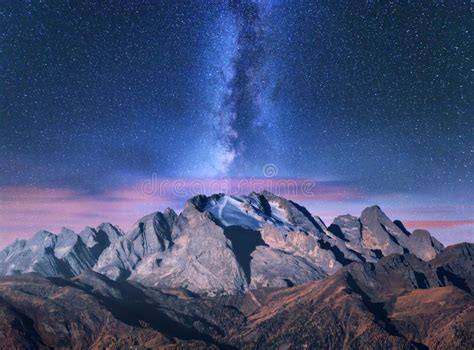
(220,244)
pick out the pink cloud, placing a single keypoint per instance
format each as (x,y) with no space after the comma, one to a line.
(439,210)
(26,210)
(437,224)
(292,188)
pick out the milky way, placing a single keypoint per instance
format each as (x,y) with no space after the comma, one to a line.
(373,98)
(239,112)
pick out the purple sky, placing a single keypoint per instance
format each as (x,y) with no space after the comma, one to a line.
(372,99)
(25,210)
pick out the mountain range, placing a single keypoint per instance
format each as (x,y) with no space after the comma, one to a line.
(219,245)
(399,302)
(256,271)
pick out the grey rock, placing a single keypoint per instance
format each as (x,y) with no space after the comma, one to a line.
(98,239)
(35,255)
(276,268)
(89,237)
(73,253)
(302,244)
(380,233)
(374,235)
(12,249)
(348,228)
(149,235)
(220,244)
(227,244)
(423,245)
(201,259)
(65,254)
(457,260)
(110,231)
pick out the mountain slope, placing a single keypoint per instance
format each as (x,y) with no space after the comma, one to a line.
(147,236)
(400,302)
(65,254)
(374,235)
(221,244)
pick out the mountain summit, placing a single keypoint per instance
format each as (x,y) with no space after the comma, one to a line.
(221,244)
(398,302)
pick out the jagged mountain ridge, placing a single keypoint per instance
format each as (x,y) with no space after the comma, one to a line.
(399,302)
(66,254)
(221,244)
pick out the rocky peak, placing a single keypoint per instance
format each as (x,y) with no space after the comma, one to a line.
(98,239)
(374,212)
(149,235)
(201,201)
(110,231)
(42,240)
(152,233)
(221,244)
(65,242)
(89,237)
(375,235)
(347,228)
(423,245)
(64,254)
(16,246)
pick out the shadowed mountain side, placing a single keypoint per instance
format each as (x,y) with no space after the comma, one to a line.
(244,243)
(400,302)
(221,244)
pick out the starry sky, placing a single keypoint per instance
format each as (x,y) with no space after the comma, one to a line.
(370,101)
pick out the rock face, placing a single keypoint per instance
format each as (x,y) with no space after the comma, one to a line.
(399,302)
(100,238)
(65,254)
(72,252)
(374,235)
(221,244)
(149,235)
(225,244)
(457,260)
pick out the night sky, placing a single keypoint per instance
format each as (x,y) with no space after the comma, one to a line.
(371,100)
